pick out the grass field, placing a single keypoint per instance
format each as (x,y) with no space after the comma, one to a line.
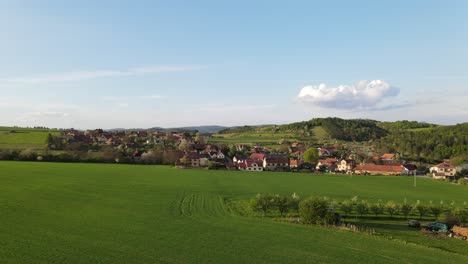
(23,138)
(94,213)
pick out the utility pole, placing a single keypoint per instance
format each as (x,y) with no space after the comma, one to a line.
(414,179)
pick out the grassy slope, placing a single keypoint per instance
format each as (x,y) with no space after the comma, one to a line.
(90,213)
(24,138)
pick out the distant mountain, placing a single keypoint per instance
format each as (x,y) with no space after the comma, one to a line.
(201,129)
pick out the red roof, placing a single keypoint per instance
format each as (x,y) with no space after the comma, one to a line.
(259,156)
(379,168)
(445,165)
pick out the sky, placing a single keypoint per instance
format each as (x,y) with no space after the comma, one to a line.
(139,64)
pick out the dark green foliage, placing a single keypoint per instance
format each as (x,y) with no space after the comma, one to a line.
(263,203)
(422,209)
(430,145)
(282,203)
(377,208)
(392,208)
(435,210)
(362,208)
(311,155)
(347,207)
(315,211)
(406,209)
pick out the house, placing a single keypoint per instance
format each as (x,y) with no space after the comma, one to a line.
(192,159)
(250,165)
(388,158)
(329,163)
(294,164)
(219,155)
(241,147)
(346,165)
(409,169)
(276,162)
(238,158)
(443,170)
(373,169)
(324,152)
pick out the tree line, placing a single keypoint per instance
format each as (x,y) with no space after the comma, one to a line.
(322,210)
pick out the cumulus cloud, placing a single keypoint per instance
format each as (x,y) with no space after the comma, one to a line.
(363,94)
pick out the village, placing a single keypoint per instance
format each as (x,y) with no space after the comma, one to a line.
(191,150)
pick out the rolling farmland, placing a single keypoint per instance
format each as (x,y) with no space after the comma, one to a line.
(95,213)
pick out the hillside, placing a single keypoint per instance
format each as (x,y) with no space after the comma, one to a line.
(415,140)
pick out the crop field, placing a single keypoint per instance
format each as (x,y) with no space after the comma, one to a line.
(98,213)
(23,138)
(260,138)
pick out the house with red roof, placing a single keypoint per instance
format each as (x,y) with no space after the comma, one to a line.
(444,170)
(250,165)
(276,162)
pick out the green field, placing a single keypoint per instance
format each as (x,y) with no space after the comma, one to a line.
(94,213)
(23,138)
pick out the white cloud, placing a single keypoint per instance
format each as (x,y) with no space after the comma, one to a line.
(363,94)
(75,76)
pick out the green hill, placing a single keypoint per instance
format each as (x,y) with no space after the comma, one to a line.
(24,138)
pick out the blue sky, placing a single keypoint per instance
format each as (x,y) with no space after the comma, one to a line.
(88,64)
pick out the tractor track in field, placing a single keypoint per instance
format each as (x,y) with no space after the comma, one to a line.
(197,206)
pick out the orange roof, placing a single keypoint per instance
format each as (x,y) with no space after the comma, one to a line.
(380,168)
(388,156)
(295,162)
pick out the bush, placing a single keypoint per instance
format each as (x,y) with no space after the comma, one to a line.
(315,211)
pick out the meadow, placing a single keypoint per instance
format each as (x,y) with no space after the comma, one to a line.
(23,138)
(103,213)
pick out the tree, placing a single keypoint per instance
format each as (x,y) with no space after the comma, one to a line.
(315,211)
(232,152)
(406,209)
(392,208)
(362,208)
(282,203)
(263,203)
(311,155)
(422,209)
(199,138)
(435,210)
(347,207)
(377,208)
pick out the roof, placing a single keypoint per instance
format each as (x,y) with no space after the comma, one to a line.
(388,156)
(295,162)
(192,155)
(379,168)
(410,167)
(277,158)
(445,165)
(259,156)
